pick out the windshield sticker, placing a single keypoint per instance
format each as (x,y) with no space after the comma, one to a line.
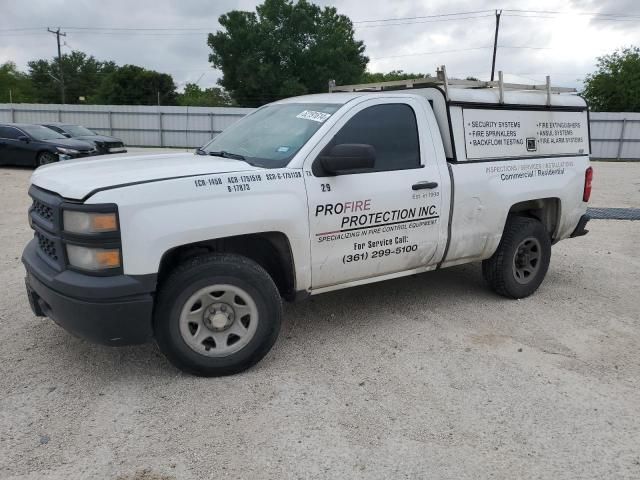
(313,115)
(283,149)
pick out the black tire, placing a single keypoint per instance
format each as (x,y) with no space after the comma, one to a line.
(45,158)
(216,269)
(501,271)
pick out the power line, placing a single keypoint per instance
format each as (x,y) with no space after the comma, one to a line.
(591,14)
(421,17)
(141,29)
(22,34)
(20,29)
(435,17)
(427,21)
(141,34)
(208,28)
(551,17)
(198,30)
(169,32)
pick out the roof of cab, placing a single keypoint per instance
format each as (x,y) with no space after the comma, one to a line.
(338,98)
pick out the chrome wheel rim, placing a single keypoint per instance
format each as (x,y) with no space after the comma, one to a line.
(218,320)
(526,260)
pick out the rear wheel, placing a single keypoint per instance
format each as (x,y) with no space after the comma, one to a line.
(521,261)
(217,314)
(45,158)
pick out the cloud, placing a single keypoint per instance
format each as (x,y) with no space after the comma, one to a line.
(566,45)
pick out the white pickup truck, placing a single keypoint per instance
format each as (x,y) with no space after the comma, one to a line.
(304,196)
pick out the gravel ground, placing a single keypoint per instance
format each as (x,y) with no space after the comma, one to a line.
(431,376)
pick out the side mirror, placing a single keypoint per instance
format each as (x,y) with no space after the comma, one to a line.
(199,151)
(348,156)
(23,138)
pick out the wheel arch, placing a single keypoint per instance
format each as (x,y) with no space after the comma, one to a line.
(545,210)
(271,250)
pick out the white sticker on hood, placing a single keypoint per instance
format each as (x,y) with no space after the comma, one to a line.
(313,115)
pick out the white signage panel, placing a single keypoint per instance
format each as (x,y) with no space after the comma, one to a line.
(496,133)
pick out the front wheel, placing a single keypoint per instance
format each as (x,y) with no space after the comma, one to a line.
(521,261)
(45,158)
(217,314)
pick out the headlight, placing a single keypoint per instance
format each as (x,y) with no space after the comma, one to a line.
(85,222)
(93,258)
(67,151)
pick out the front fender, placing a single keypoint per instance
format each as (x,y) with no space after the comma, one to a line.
(156,217)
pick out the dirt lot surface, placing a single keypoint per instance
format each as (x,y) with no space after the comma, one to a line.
(431,376)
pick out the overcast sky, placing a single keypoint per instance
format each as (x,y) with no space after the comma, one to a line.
(564,46)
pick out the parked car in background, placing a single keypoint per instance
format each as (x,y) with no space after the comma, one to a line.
(35,145)
(103,143)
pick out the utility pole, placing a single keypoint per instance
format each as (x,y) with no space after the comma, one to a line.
(58,34)
(495,43)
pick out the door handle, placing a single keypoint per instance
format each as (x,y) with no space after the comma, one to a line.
(424,185)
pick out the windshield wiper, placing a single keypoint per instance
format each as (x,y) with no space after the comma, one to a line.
(223,154)
(233,156)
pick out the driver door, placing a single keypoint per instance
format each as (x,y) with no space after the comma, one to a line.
(375,221)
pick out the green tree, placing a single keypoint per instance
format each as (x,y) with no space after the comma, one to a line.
(82,75)
(133,85)
(377,77)
(16,82)
(194,96)
(284,49)
(615,86)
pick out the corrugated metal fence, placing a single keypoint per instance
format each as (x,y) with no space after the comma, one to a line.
(613,135)
(137,125)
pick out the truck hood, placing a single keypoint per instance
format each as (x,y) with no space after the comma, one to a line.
(76,179)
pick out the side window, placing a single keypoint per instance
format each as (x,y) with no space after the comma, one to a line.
(55,129)
(391,129)
(10,132)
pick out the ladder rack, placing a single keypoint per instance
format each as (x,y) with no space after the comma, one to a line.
(446,83)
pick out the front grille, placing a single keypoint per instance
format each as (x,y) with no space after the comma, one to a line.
(45,219)
(43,211)
(48,247)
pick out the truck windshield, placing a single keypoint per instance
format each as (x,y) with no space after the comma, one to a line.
(272,135)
